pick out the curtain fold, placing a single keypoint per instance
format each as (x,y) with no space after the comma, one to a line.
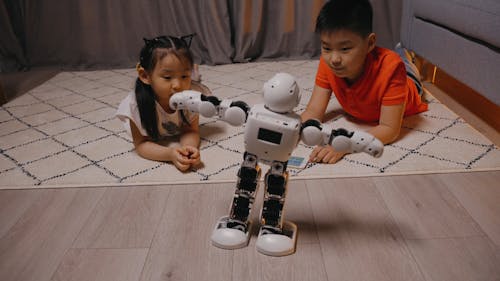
(88,34)
(93,34)
(274,29)
(12,50)
(208,19)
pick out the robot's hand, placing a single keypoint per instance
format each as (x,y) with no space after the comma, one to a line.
(193,101)
(234,113)
(341,140)
(311,132)
(359,141)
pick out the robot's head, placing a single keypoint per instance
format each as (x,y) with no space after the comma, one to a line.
(281,93)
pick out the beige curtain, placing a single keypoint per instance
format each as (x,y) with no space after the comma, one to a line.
(93,34)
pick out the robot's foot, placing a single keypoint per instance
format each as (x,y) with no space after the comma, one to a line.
(274,243)
(228,234)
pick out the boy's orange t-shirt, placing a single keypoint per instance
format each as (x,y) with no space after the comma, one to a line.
(383,82)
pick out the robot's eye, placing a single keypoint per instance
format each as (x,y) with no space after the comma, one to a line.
(291,91)
(272,86)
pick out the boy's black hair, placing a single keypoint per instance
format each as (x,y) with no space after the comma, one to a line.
(353,15)
(152,52)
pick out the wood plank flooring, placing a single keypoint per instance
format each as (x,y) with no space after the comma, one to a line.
(420,227)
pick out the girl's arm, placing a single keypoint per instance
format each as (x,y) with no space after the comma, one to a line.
(191,134)
(148,149)
(190,141)
(391,118)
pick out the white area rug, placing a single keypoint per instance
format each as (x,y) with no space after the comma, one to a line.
(63,134)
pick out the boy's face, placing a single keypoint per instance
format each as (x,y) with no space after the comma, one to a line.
(169,76)
(345,52)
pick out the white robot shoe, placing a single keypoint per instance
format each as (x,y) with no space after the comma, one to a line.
(226,237)
(277,244)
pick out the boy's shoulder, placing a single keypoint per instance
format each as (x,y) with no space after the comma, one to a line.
(381,53)
(383,58)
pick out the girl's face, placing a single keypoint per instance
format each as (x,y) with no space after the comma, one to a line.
(345,52)
(169,76)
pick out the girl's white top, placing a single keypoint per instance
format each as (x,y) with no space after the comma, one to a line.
(169,124)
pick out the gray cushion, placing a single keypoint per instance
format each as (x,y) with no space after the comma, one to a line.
(479,19)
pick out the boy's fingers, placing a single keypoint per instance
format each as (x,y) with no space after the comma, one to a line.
(336,157)
(314,154)
(322,154)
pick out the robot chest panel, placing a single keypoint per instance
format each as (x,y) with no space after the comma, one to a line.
(272,137)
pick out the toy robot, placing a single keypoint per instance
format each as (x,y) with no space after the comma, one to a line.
(272,131)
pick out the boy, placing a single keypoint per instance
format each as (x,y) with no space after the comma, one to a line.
(370,82)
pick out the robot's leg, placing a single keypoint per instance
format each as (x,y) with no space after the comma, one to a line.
(233,231)
(276,237)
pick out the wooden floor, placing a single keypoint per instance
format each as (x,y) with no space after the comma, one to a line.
(419,227)
(436,227)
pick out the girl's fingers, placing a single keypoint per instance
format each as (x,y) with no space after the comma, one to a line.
(181,167)
(184,160)
(183,151)
(193,155)
(193,152)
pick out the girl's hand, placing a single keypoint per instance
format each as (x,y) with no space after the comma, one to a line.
(186,157)
(193,154)
(325,154)
(181,159)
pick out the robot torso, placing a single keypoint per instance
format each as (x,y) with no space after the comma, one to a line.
(270,135)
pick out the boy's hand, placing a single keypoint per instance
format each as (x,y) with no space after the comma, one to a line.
(325,154)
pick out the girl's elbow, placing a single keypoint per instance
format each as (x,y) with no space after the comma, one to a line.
(139,149)
(142,150)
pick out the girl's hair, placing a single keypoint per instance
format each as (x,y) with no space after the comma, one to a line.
(153,51)
(353,15)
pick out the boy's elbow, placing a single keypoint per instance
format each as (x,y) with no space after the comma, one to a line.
(393,135)
(385,134)
(307,114)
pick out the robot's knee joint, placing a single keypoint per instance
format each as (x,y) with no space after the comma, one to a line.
(276,185)
(271,212)
(248,179)
(241,208)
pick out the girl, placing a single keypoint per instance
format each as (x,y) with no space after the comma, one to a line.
(165,68)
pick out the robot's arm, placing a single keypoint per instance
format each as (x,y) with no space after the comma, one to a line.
(313,133)
(234,113)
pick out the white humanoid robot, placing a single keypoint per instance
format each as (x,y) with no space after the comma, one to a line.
(272,132)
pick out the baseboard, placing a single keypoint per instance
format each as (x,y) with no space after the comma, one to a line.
(467,97)
(459,97)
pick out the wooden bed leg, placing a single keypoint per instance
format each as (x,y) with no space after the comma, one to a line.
(3,98)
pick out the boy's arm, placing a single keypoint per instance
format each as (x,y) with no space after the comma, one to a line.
(317,104)
(391,118)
